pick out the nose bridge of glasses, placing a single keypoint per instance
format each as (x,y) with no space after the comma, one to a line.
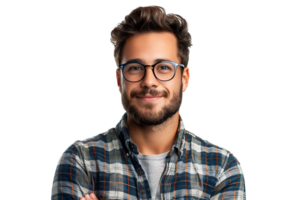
(151,68)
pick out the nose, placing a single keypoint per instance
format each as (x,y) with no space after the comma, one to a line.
(149,79)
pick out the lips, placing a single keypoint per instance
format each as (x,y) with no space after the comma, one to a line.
(149,97)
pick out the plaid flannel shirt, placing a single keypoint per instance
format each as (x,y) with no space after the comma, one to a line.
(107,164)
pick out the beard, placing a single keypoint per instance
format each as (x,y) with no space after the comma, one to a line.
(150,117)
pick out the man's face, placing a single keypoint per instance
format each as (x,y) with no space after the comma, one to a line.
(151,101)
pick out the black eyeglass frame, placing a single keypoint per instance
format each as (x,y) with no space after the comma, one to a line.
(175,64)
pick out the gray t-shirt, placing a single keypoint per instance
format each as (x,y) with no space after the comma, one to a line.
(153,165)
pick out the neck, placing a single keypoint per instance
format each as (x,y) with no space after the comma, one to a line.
(154,139)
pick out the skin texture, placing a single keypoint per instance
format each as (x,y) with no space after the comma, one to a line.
(148,48)
(91,196)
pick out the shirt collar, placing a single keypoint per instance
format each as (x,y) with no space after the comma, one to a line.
(123,133)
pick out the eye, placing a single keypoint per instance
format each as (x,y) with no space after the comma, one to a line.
(135,68)
(164,67)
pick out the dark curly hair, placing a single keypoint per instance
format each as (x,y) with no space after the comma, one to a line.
(152,19)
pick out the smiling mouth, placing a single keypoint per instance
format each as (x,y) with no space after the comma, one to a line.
(149,98)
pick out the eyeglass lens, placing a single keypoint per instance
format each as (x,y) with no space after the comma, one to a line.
(136,71)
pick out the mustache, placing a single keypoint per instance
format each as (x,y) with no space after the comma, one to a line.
(152,92)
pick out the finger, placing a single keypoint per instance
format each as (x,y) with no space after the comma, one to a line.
(93,196)
(88,197)
(82,198)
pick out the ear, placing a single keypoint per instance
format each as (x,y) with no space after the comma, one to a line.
(185,78)
(117,77)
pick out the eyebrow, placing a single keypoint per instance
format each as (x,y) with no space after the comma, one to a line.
(155,61)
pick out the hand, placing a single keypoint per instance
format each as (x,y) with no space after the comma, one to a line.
(92,196)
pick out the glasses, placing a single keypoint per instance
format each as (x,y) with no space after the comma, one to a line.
(163,70)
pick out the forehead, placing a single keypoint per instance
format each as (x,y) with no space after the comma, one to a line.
(151,46)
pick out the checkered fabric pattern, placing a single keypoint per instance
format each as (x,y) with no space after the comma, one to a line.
(107,164)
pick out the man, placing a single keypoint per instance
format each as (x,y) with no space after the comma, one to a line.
(149,154)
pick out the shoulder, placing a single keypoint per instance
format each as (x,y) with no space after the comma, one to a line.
(200,145)
(206,152)
(104,141)
(214,157)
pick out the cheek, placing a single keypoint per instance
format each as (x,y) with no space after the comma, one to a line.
(127,87)
(123,85)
